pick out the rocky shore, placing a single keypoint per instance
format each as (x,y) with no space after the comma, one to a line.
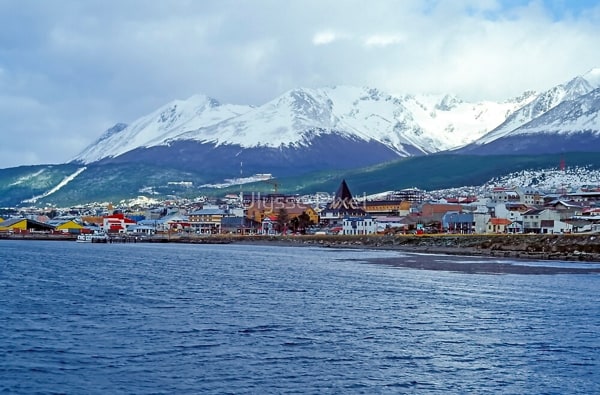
(578,247)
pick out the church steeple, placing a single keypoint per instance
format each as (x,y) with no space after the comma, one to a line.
(343,193)
(343,203)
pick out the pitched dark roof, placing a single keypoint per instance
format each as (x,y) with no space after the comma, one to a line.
(344,203)
(343,192)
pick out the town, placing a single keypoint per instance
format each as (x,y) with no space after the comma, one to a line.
(503,210)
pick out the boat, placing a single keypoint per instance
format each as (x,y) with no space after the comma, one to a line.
(92,238)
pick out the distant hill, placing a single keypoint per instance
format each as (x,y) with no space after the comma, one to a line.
(311,138)
(68,185)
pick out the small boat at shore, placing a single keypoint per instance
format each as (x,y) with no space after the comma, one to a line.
(92,238)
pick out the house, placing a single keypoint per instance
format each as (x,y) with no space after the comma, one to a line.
(363,225)
(498,225)
(531,221)
(515,227)
(511,210)
(503,195)
(544,221)
(567,209)
(529,196)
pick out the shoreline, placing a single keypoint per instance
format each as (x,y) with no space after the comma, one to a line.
(567,247)
(581,247)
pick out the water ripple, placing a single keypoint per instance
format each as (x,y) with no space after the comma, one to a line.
(259,319)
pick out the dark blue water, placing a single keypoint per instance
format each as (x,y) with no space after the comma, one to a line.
(141,318)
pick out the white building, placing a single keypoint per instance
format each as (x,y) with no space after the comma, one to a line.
(359,225)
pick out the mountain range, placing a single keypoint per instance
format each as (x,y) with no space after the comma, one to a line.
(333,129)
(347,127)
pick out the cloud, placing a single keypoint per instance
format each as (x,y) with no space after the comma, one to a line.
(324,37)
(71,69)
(383,40)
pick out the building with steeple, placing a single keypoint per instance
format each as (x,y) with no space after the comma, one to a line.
(343,205)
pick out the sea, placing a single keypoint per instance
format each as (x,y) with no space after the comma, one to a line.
(170,318)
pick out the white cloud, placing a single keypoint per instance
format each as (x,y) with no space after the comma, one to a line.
(88,66)
(324,37)
(383,40)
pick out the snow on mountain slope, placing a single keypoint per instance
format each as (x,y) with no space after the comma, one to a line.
(455,122)
(168,121)
(572,116)
(299,115)
(427,123)
(407,124)
(570,90)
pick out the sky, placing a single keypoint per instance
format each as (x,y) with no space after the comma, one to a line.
(70,69)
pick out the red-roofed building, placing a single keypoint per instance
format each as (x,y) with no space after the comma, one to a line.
(116,223)
(497,225)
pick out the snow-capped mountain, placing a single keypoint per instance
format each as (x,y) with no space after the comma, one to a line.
(346,127)
(167,122)
(455,122)
(556,111)
(405,125)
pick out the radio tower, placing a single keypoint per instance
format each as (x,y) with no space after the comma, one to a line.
(562,165)
(241,183)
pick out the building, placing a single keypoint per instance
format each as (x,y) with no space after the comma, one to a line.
(387,207)
(66,226)
(207,220)
(458,222)
(544,221)
(24,225)
(116,223)
(499,225)
(258,210)
(343,205)
(239,225)
(363,225)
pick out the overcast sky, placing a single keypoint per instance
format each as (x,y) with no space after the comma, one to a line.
(70,69)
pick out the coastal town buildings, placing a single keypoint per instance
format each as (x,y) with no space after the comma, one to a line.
(499,210)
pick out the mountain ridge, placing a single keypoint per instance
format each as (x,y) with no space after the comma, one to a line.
(408,124)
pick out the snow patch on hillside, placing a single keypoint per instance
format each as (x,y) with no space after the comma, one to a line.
(61,184)
(239,181)
(24,179)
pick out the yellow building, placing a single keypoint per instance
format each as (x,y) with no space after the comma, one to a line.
(387,207)
(24,225)
(66,226)
(17,224)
